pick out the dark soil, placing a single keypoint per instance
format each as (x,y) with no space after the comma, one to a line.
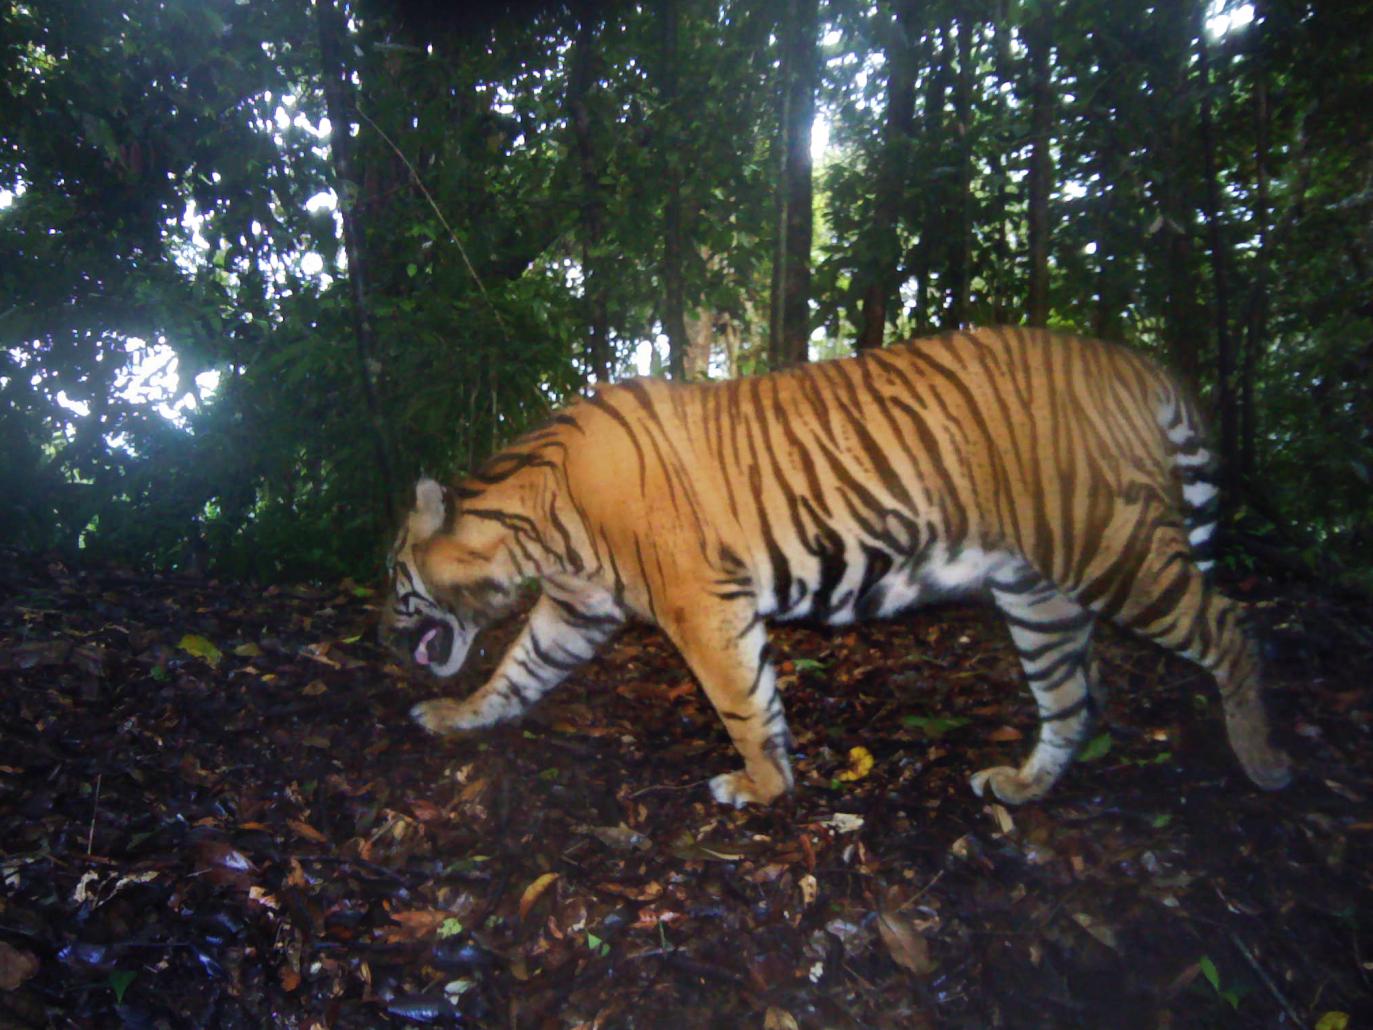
(214,811)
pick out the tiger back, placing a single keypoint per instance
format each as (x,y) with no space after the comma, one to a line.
(1067,479)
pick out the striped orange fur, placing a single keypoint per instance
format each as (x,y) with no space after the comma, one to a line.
(1066,478)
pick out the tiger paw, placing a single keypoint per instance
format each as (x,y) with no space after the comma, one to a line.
(736,789)
(1269,768)
(1006,783)
(443,715)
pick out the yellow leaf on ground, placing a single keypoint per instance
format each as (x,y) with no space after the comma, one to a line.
(194,644)
(534,891)
(860,764)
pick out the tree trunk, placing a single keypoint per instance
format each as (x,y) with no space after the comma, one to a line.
(960,249)
(592,207)
(1001,274)
(337,98)
(674,302)
(886,256)
(1038,40)
(1111,297)
(791,345)
(1184,321)
(933,230)
(1256,317)
(1225,347)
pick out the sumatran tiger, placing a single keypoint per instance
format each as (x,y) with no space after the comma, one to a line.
(1065,477)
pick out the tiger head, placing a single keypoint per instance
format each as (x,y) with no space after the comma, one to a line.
(446,580)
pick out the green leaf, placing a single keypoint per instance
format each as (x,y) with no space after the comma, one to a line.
(450,927)
(1161,820)
(808,665)
(160,673)
(1097,747)
(1208,970)
(119,983)
(194,644)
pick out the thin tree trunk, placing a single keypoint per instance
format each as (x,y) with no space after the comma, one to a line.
(592,211)
(1038,39)
(960,250)
(332,33)
(1002,306)
(900,121)
(799,41)
(1256,318)
(933,231)
(1225,346)
(1111,298)
(779,242)
(1183,318)
(674,304)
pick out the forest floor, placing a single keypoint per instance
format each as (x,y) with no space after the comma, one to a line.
(214,812)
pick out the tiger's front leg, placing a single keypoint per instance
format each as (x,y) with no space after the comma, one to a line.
(564,629)
(727,648)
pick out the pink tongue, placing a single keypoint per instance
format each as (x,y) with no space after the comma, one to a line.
(422,648)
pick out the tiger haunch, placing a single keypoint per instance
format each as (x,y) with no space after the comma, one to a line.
(1066,478)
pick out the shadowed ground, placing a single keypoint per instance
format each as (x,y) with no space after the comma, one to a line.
(214,812)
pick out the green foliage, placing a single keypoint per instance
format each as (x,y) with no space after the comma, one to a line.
(1098,747)
(160,160)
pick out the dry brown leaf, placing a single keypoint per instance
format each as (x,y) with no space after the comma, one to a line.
(651,915)
(415,924)
(16,966)
(304,829)
(633,891)
(1097,929)
(426,811)
(779,1019)
(907,946)
(534,891)
(1005,733)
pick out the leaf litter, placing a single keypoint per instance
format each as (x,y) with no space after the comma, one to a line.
(214,811)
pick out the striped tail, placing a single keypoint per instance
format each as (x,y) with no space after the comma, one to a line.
(1196,469)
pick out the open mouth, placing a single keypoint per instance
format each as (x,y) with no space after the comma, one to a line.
(433,642)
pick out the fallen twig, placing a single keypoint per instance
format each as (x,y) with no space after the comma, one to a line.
(1265,979)
(95,809)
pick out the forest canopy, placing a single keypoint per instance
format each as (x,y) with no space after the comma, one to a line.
(262,264)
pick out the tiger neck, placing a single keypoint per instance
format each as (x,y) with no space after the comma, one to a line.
(518,490)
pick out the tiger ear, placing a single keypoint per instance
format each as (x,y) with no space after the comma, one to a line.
(429,512)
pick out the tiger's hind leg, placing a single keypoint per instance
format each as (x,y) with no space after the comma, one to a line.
(1170,601)
(1053,635)
(727,648)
